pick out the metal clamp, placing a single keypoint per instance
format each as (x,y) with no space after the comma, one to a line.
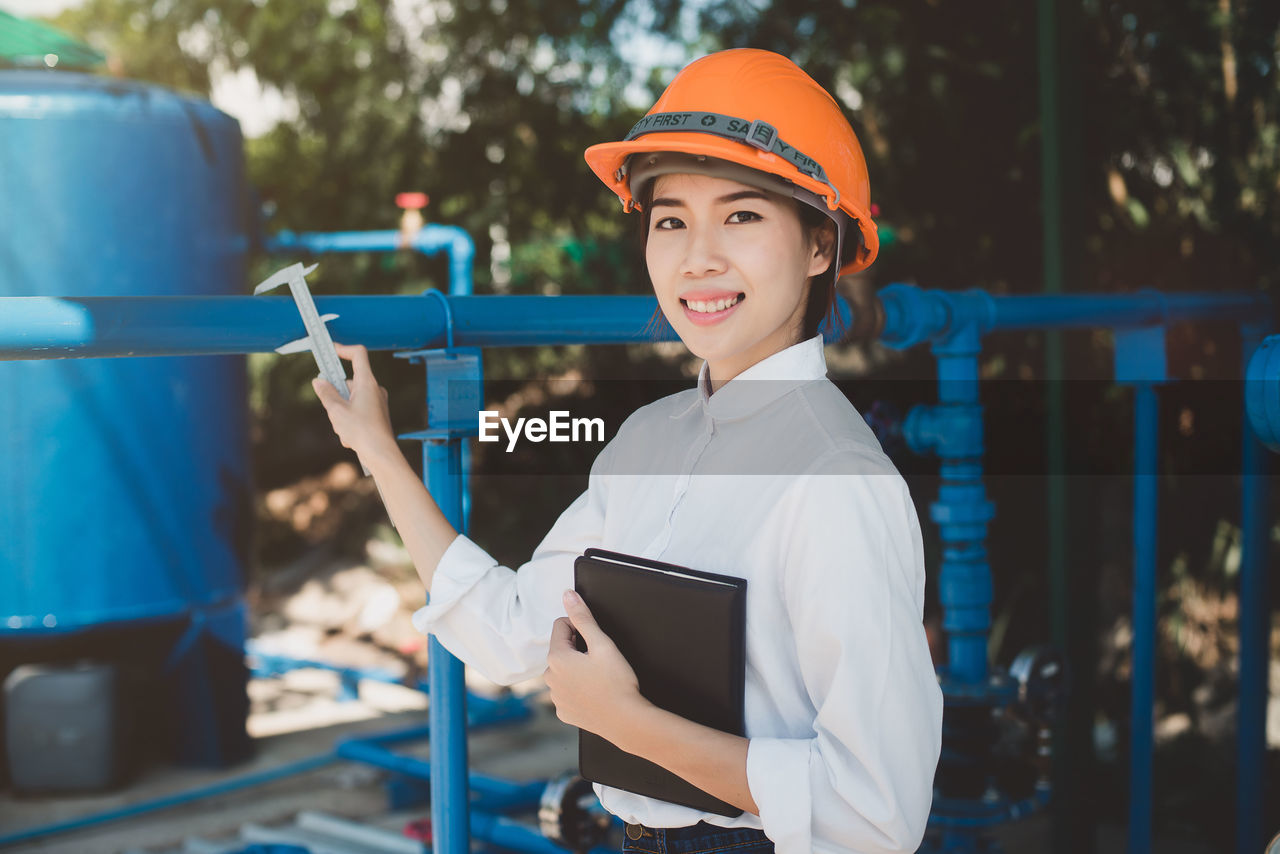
(448,314)
(762,135)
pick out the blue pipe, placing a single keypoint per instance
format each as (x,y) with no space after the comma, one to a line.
(1145,481)
(431,239)
(505,833)
(1262,389)
(962,511)
(953,431)
(447,712)
(1145,308)
(481,711)
(269,665)
(495,794)
(914,315)
(87,327)
(222,788)
(91,327)
(1254,598)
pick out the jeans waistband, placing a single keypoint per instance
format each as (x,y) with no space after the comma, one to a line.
(701,838)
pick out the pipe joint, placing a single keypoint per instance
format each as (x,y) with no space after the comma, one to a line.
(972,313)
(951,431)
(455,241)
(912,315)
(970,591)
(962,513)
(1262,392)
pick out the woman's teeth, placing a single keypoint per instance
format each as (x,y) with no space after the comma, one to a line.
(709,306)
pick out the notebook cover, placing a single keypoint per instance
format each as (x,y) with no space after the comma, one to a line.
(685,640)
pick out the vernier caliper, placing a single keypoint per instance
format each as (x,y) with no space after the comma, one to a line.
(317,339)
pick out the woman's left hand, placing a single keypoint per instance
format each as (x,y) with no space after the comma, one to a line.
(594,690)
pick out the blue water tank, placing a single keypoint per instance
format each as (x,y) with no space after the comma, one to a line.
(123,483)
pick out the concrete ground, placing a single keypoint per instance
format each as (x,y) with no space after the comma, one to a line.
(540,748)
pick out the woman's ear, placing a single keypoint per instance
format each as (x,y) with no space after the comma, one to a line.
(824,248)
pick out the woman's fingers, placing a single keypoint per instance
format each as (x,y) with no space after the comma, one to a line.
(583,622)
(361,372)
(325,391)
(562,634)
(362,421)
(358,356)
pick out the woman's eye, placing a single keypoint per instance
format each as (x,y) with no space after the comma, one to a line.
(667,223)
(743,216)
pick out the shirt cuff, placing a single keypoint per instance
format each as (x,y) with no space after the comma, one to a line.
(461,566)
(778,776)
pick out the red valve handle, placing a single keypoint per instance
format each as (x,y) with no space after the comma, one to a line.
(412,201)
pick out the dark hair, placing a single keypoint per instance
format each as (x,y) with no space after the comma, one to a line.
(822,287)
(821,301)
(643,198)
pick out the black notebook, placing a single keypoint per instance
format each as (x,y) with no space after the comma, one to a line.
(683,633)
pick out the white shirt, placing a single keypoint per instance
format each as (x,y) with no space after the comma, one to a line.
(777,479)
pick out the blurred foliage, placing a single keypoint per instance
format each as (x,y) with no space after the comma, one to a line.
(487,105)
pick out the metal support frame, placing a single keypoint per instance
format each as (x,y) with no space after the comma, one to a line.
(453,385)
(1140,362)
(1254,596)
(954,322)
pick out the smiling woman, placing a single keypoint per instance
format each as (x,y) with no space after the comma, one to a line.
(754,196)
(731,266)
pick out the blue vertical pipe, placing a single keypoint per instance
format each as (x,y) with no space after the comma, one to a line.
(1251,728)
(962,512)
(1145,418)
(447,712)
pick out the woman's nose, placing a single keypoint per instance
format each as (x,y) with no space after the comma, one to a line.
(704,255)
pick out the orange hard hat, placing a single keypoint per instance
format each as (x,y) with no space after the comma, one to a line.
(757,109)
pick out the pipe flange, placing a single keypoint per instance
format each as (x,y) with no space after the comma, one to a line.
(571,815)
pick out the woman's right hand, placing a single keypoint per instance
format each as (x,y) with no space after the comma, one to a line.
(363,423)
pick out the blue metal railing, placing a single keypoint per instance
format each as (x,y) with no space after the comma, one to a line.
(952,322)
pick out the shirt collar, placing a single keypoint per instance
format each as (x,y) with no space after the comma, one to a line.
(762,383)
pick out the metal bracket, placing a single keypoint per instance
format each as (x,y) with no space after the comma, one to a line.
(1140,355)
(454,392)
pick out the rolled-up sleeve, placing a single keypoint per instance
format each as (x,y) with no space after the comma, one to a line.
(498,620)
(853,583)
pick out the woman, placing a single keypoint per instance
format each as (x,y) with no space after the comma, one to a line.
(754,196)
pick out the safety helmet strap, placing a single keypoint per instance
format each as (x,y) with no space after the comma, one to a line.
(757,134)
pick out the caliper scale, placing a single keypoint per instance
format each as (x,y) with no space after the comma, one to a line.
(317,339)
